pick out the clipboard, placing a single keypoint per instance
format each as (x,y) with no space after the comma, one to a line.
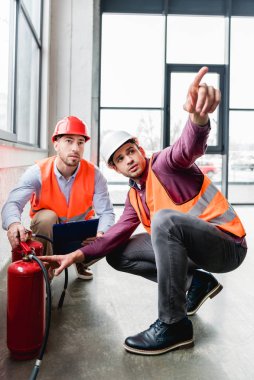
(67,237)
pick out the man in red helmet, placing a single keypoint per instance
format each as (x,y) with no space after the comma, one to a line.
(62,188)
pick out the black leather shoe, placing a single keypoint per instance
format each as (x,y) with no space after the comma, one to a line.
(161,338)
(203,286)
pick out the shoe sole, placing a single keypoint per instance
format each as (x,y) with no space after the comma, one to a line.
(82,277)
(211,294)
(178,346)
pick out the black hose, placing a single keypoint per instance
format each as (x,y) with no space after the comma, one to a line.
(61,300)
(43,237)
(48,318)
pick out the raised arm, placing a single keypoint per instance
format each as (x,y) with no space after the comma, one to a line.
(200,101)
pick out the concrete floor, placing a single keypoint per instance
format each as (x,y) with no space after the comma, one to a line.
(86,336)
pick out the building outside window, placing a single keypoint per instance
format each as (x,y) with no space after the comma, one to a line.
(147,64)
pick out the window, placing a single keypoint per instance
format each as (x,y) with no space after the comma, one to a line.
(6,63)
(179,85)
(242,63)
(34,11)
(195,39)
(27,88)
(132,61)
(182,36)
(20,48)
(241,112)
(132,79)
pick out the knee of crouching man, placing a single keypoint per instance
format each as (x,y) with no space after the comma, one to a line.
(164,218)
(158,219)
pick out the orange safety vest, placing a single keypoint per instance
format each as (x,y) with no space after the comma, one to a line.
(209,205)
(80,205)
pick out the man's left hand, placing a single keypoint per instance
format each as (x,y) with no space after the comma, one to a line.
(60,262)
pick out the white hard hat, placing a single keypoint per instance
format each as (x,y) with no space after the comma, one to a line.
(113,141)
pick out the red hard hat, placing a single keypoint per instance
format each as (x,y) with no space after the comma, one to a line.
(70,125)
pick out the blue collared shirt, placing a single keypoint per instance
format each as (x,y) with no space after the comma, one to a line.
(30,182)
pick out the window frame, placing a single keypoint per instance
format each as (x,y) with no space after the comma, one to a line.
(11,134)
(226,8)
(194,68)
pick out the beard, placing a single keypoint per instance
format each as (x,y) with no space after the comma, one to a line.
(70,161)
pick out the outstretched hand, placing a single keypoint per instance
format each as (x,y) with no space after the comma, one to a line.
(201,99)
(60,262)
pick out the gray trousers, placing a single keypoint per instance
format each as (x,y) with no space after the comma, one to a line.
(179,243)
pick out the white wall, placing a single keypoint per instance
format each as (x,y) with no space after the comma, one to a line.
(71,60)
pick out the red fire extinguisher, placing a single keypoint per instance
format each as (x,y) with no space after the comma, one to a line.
(28,321)
(25,306)
(34,245)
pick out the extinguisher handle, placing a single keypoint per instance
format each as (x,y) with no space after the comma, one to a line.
(25,246)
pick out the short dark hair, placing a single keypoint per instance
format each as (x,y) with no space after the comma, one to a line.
(58,137)
(66,134)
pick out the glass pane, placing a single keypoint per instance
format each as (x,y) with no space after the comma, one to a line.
(27,94)
(211,165)
(146,125)
(118,192)
(132,61)
(195,39)
(180,83)
(6,30)
(34,11)
(241,157)
(242,63)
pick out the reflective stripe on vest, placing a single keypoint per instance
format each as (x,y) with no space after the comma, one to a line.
(80,205)
(209,205)
(77,218)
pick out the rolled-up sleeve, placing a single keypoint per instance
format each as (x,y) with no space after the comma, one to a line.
(29,183)
(102,204)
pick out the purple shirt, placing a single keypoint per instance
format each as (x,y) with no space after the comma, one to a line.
(174,167)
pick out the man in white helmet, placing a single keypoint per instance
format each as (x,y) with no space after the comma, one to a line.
(189,223)
(63,188)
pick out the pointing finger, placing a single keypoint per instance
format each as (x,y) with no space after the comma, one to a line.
(48,258)
(199,76)
(192,95)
